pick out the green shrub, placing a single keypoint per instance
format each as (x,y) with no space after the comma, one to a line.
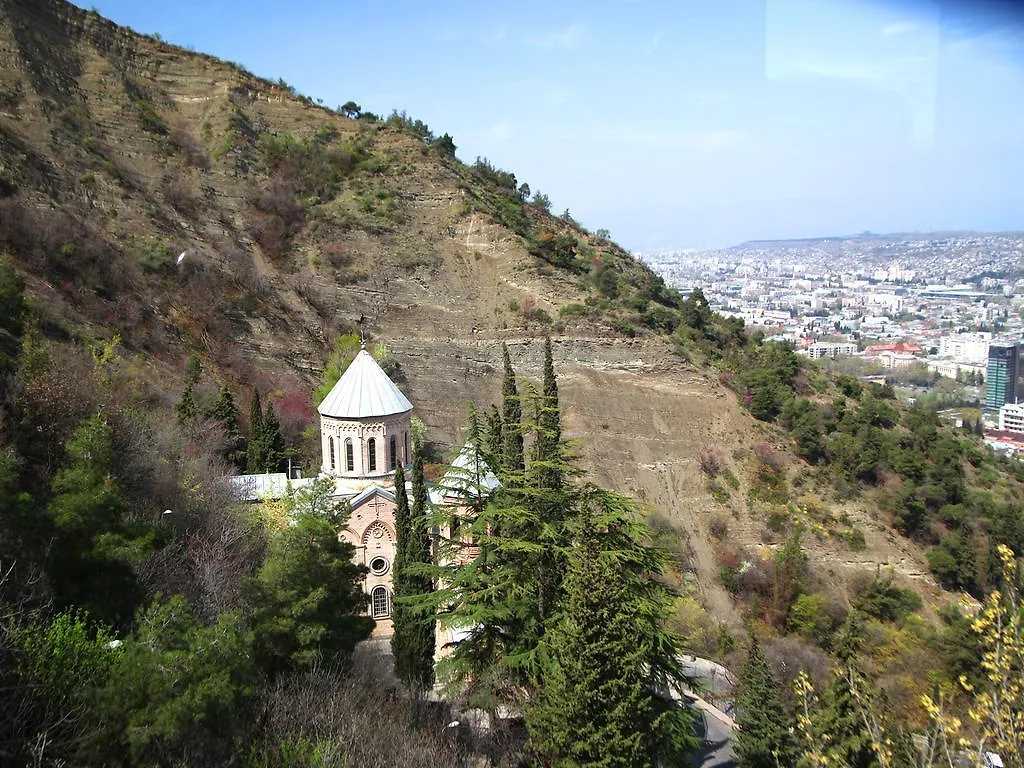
(883,600)
(810,615)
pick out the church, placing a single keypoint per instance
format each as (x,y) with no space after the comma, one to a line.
(365,433)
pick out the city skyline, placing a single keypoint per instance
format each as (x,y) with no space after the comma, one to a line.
(682,125)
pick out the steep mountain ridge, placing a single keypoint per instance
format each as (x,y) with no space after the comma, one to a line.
(121,152)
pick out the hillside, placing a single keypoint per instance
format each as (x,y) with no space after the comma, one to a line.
(121,152)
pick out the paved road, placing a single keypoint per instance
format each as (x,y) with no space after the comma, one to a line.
(717,726)
(716,752)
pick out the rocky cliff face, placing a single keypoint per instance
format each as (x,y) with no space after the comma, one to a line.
(120,153)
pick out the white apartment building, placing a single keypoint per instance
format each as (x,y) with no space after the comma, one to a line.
(890,359)
(1011,417)
(821,349)
(965,346)
(952,369)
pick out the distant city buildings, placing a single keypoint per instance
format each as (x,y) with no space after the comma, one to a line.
(883,303)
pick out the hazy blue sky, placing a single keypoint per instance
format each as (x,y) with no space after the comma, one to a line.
(674,124)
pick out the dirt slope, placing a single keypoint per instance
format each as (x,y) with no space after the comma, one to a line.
(147,151)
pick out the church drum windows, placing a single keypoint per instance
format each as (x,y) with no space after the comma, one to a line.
(350,458)
(371,451)
(330,443)
(380,603)
(392,454)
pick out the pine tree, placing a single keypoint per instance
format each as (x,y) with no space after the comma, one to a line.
(511,421)
(413,641)
(763,738)
(601,698)
(94,544)
(307,596)
(486,578)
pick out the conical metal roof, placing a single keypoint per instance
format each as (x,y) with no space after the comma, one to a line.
(364,390)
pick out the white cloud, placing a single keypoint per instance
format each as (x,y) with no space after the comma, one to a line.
(899,28)
(568,39)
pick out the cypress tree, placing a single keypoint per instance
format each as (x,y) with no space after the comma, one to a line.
(274,452)
(763,738)
(402,522)
(511,421)
(546,483)
(254,450)
(549,427)
(413,641)
(226,412)
(495,441)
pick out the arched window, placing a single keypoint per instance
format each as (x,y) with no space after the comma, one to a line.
(405,448)
(330,444)
(371,450)
(350,457)
(380,602)
(392,454)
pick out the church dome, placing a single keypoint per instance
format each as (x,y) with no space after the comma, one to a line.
(364,391)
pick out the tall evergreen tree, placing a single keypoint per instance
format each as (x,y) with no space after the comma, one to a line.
(413,642)
(403,522)
(841,715)
(764,738)
(254,449)
(486,577)
(495,441)
(549,427)
(602,697)
(266,449)
(274,452)
(226,412)
(511,421)
(547,487)
(94,542)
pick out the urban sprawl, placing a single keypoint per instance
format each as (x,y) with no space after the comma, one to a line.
(937,315)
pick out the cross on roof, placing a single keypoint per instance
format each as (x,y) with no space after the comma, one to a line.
(376,504)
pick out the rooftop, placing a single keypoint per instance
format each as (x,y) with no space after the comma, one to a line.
(363,391)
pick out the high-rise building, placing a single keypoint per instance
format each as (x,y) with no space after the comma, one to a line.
(1001,379)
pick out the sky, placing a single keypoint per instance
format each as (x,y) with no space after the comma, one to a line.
(674,124)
